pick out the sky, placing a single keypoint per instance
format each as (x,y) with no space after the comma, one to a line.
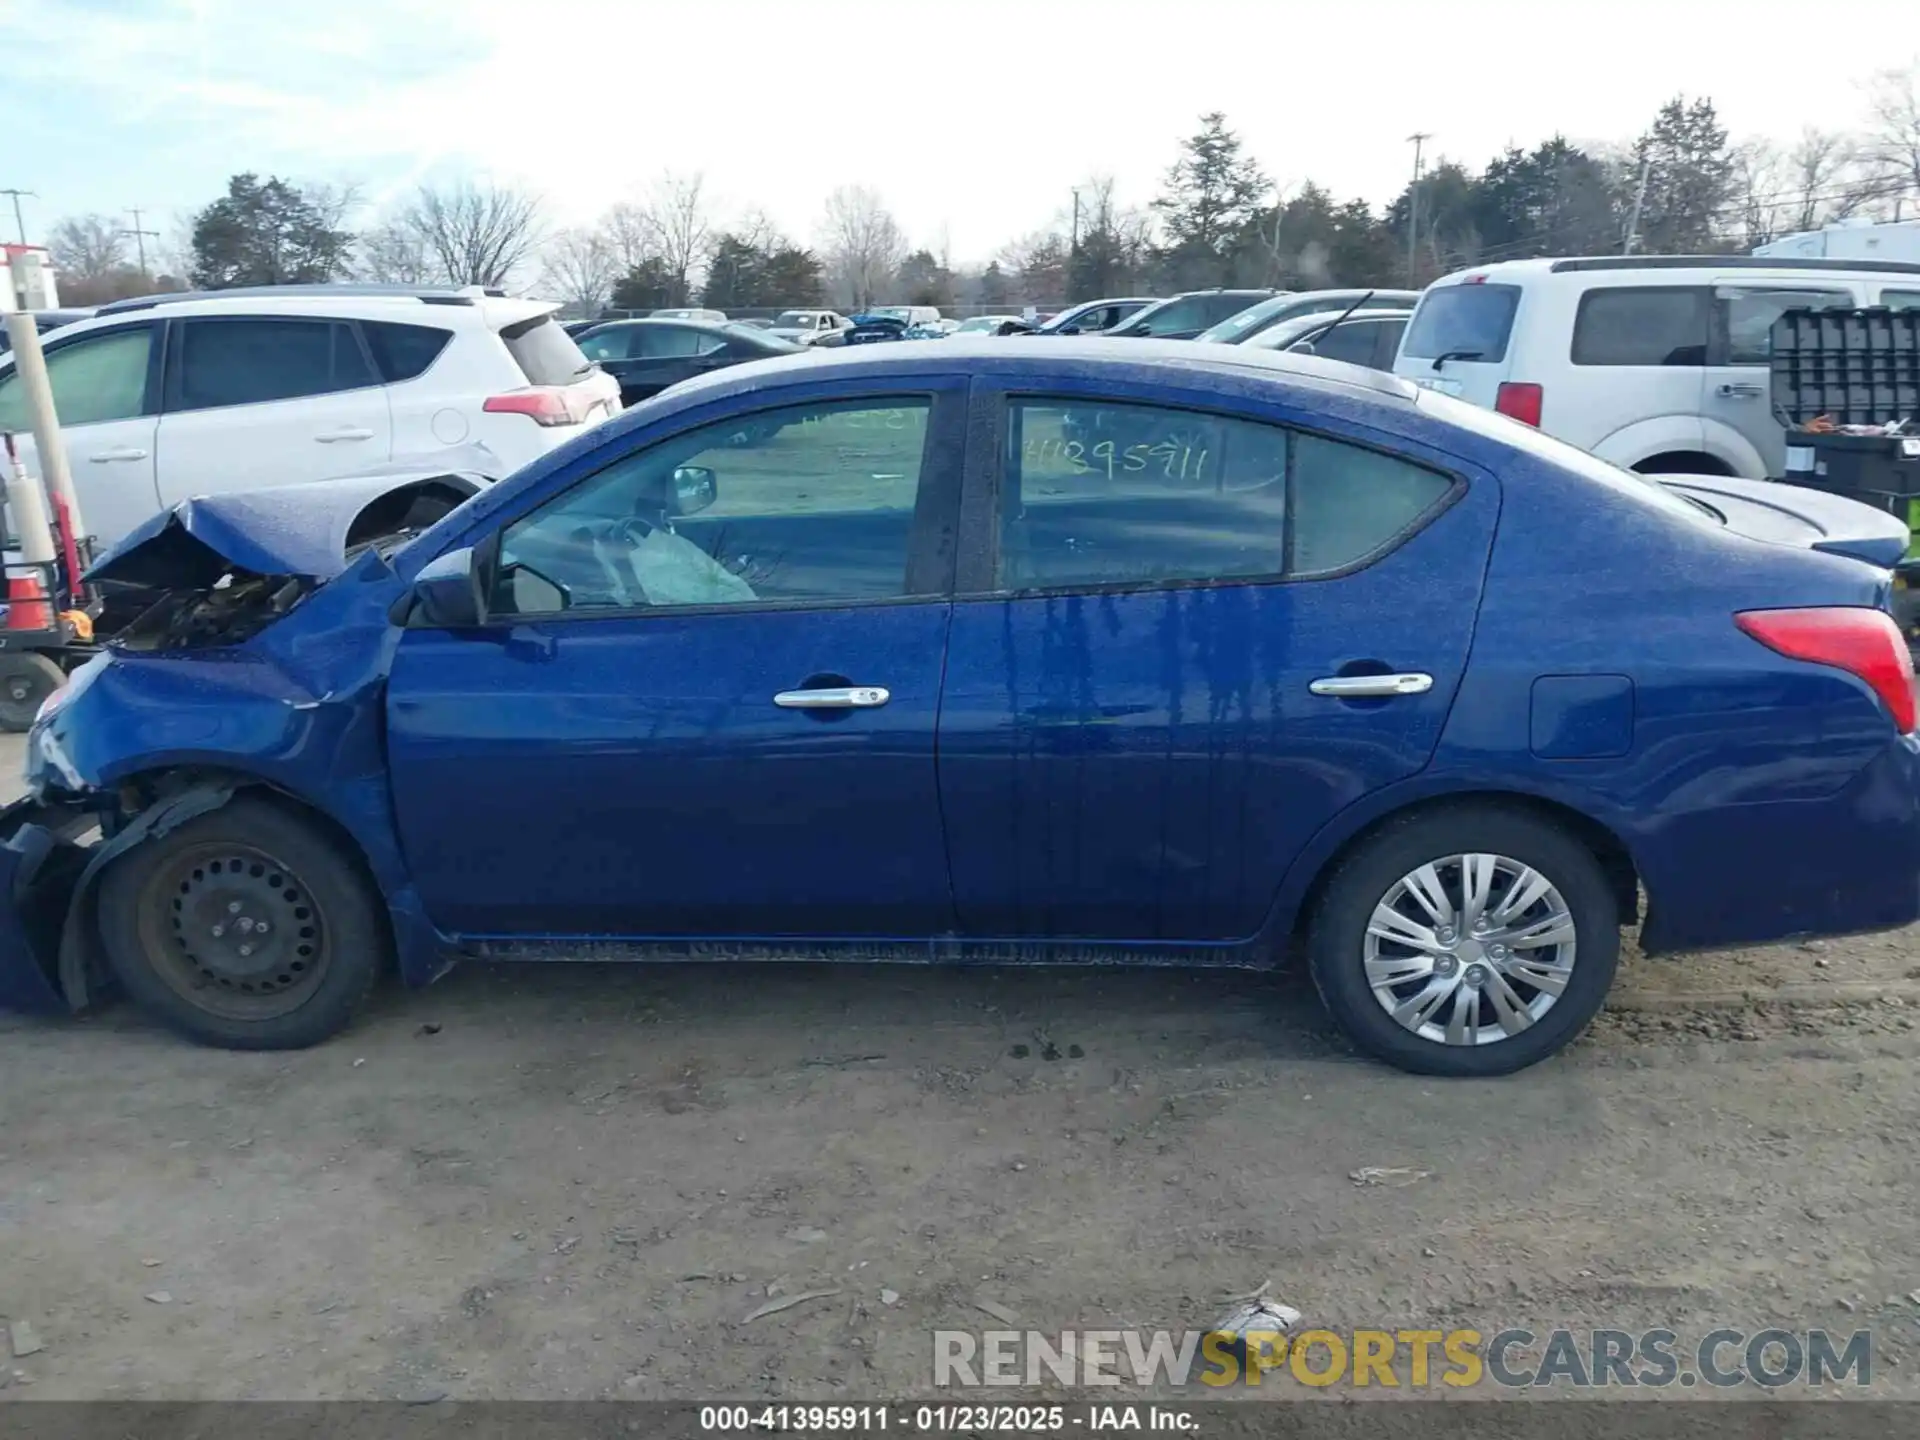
(972,120)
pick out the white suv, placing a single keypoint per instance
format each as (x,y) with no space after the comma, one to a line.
(1654,362)
(167,397)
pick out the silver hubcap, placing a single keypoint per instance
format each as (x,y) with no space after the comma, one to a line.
(1470,949)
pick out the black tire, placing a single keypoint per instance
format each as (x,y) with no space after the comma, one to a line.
(251,863)
(26,679)
(1337,936)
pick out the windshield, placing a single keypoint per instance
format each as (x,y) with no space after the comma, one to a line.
(1467,322)
(1247,321)
(793,319)
(892,312)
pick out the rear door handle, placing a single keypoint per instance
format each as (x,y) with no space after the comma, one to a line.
(346,432)
(1740,390)
(845,697)
(1360,687)
(102,457)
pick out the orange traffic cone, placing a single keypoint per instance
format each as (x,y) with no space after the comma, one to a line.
(28,607)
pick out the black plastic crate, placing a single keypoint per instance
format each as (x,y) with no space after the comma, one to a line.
(1860,367)
(1878,469)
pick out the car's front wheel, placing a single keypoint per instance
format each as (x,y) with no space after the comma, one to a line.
(247,927)
(1466,941)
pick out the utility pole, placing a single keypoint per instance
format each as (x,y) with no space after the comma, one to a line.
(140,240)
(19,221)
(1418,139)
(1639,203)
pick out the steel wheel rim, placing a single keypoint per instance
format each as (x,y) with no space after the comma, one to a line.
(1471,949)
(234,932)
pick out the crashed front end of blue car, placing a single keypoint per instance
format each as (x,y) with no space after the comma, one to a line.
(252,662)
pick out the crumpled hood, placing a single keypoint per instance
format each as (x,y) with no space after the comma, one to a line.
(297,530)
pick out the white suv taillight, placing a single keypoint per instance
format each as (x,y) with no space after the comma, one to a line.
(542,404)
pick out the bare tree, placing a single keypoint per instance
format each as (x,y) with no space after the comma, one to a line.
(474,235)
(580,267)
(1760,185)
(628,233)
(88,247)
(1891,147)
(681,229)
(862,245)
(1821,173)
(394,254)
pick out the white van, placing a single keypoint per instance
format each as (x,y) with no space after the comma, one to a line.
(1654,362)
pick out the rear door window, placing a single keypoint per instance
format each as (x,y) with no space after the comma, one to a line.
(1467,322)
(255,360)
(674,342)
(403,352)
(1098,494)
(1642,325)
(544,352)
(1746,315)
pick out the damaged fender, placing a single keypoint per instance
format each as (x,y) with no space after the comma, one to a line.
(162,729)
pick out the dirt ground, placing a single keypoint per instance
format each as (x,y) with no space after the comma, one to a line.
(537,1182)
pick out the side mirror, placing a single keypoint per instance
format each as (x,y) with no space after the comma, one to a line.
(1134,330)
(1305,347)
(446,594)
(695,487)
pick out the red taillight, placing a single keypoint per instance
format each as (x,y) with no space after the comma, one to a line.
(1521,402)
(543,404)
(1853,638)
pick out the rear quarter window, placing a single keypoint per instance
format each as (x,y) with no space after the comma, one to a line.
(1642,325)
(403,352)
(544,352)
(1469,322)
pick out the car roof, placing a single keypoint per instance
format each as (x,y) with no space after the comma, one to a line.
(1124,360)
(1627,267)
(366,302)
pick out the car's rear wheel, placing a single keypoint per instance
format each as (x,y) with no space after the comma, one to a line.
(1466,941)
(247,927)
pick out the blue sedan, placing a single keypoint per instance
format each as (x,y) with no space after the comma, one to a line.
(1095,652)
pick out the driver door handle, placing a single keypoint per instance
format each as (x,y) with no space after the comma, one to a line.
(1359,687)
(845,697)
(1741,390)
(345,432)
(102,457)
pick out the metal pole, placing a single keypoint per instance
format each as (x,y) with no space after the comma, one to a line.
(19,220)
(30,365)
(1418,139)
(1639,201)
(140,238)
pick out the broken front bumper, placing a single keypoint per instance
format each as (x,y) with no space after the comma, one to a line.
(40,870)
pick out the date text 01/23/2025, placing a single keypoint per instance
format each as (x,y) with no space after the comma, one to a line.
(947,1419)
